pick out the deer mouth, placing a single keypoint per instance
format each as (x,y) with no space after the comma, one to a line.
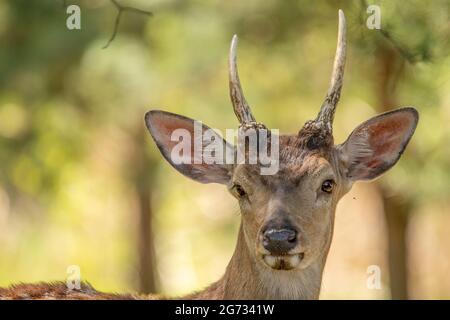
(283,262)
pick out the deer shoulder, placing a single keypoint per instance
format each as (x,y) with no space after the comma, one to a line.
(60,291)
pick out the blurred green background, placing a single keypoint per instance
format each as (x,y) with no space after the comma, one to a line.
(81,182)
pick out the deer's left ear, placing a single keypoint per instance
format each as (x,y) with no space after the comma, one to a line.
(377,144)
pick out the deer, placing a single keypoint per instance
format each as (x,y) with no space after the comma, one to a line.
(287,218)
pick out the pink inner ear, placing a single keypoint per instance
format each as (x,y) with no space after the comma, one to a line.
(162,126)
(376,145)
(165,126)
(387,136)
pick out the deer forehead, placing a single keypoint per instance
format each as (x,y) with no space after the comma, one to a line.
(297,164)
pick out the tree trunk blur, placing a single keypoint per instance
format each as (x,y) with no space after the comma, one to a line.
(147,281)
(396,211)
(397,218)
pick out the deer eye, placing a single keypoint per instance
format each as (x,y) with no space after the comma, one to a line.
(239,191)
(327,186)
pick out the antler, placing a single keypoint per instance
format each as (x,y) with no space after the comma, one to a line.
(240,105)
(326,114)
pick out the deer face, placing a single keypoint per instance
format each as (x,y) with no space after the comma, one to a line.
(288,216)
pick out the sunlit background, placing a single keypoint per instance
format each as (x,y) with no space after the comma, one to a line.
(82,183)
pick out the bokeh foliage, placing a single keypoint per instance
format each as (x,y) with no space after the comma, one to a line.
(71,114)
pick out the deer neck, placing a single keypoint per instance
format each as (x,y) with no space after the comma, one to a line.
(248,278)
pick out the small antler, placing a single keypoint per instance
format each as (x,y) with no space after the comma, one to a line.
(240,105)
(326,114)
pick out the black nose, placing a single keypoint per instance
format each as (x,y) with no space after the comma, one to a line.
(279,241)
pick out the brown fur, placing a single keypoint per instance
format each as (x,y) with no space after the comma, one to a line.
(58,291)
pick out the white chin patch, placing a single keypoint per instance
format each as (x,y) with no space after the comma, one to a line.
(286,262)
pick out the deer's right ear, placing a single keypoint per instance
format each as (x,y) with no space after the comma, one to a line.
(192,148)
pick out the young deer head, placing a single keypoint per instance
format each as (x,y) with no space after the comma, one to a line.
(288,217)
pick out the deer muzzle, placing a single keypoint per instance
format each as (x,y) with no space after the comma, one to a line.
(280,245)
